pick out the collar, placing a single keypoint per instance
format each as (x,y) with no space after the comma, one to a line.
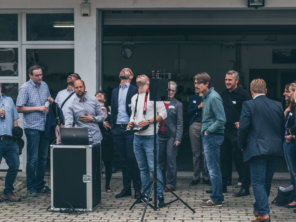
(126,85)
(34,84)
(261,94)
(69,90)
(209,91)
(85,98)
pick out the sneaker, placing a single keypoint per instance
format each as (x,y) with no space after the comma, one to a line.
(11,197)
(205,200)
(31,193)
(144,198)
(169,188)
(44,189)
(161,202)
(210,203)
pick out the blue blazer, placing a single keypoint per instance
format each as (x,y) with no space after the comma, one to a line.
(261,128)
(132,90)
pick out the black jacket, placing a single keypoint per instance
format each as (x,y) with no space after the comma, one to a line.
(261,130)
(232,102)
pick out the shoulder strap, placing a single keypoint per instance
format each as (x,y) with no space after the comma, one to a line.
(66,100)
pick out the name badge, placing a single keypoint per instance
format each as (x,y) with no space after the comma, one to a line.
(194,101)
(233,102)
(171,107)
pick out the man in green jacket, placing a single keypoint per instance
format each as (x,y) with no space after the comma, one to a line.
(213,121)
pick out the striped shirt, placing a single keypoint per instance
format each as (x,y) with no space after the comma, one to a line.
(31,95)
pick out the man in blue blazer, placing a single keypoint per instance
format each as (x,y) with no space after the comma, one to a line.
(120,116)
(261,130)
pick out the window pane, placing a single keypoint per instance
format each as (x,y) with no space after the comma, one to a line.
(56,65)
(10,89)
(8,61)
(8,27)
(50,27)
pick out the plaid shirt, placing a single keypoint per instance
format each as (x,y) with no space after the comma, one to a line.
(31,95)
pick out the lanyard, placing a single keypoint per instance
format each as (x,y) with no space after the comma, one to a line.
(145,103)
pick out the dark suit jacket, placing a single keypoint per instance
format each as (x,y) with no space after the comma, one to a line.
(261,128)
(132,90)
(174,120)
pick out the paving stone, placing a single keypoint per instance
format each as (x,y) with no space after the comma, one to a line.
(117,210)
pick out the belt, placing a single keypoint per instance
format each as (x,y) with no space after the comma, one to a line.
(121,125)
(5,137)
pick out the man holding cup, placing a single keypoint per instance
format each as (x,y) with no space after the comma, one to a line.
(33,101)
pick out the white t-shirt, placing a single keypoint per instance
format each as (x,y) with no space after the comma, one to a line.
(160,111)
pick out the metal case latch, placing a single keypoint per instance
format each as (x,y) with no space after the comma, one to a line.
(87,178)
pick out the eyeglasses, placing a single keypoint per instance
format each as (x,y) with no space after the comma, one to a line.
(171,90)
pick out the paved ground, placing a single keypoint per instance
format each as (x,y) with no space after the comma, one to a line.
(111,209)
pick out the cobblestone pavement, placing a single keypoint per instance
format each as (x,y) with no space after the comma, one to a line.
(117,210)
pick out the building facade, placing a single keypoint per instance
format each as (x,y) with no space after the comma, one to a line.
(96,38)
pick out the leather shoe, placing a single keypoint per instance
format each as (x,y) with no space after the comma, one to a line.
(242,192)
(264,218)
(194,182)
(11,197)
(138,195)
(123,193)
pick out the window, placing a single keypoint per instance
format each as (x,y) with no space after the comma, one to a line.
(8,27)
(8,61)
(50,27)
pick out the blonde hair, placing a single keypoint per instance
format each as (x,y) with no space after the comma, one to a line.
(258,86)
(292,86)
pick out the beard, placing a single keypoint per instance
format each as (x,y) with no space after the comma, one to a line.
(123,77)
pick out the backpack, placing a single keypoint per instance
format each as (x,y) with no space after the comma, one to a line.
(284,195)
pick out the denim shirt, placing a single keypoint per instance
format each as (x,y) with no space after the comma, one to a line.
(11,114)
(213,115)
(32,95)
(78,108)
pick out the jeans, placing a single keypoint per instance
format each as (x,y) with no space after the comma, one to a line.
(167,160)
(124,145)
(290,156)
(10,151)
(212,145)
(143,148)
(262,169)
(37,152)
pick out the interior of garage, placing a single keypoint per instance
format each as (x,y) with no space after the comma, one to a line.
(265,50)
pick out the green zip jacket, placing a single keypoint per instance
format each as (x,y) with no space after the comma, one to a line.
(213,115)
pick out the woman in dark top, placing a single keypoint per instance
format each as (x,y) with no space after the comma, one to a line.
(107,142)
(289,143)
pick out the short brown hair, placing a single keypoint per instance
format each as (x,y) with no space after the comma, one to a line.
(128,69)
(32,68)
(258,86)
(203,77)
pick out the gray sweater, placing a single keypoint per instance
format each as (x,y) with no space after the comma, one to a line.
(213,115)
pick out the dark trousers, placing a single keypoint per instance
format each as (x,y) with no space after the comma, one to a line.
(230,151)
(168,160)
(10,151)
(124,144)
(37,152)
(262,170)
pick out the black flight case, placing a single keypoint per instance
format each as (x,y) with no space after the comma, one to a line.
(75,177)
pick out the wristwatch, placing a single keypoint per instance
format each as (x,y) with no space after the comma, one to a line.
(149,121)
(94,119)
